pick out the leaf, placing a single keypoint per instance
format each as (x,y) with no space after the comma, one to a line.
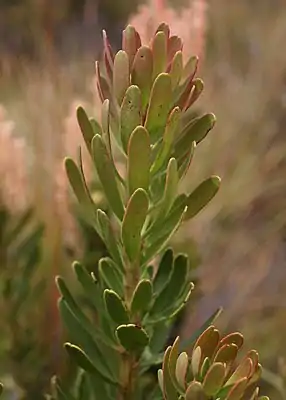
(121,76)
(109,238)
(237,390)
(130,42)
(201,196)
(138,164)
(159,106)
(164,271)
(132,337)
(195,392)
(170,391)
(106,176)
(208,342)
(80,358)
(76,181)
(84,339)
(174,287)
(142,73)
(159,50)
(160,335)
(181,369)
(115,307)
(85,127)
(195,131)
(214,379)
(168,140)
(176,69)
(171,188)
(111,275)
(188,343)
(141,297)
(130,114)
(133,221)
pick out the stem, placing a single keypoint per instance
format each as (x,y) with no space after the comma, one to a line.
(129,364)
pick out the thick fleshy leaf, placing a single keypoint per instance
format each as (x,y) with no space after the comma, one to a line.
(176,69)
(195,131)
(208,342)
(164,271)
(237,391)
(133,221)
(130,42)
(102,84)
(174,287)
(190,67)
(80,357)
(121,75)
(186,344)
(111,275)
(141,298)
(243,370)
(196,361)
(173,357)
(115,307)
(235,338)
(109,237)
(181,369)
(198,87)
(84,339)
(226,354)
(163,27)
(85,127)
(138,163)
(108,55)
(168,139)
(214,379)
(159,50)
(130,114)
(195,392)
(174,44)
(142,73)
(77,183)
(106,174)
(159,106)
(132,337)
(171,188)
(201,196)
(170,392)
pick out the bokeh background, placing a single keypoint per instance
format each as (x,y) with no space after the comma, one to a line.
(47,54)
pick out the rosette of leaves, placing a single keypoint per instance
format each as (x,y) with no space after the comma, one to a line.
(212,371)
(146,95)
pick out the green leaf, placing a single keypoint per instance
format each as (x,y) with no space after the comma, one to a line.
(80,358)
(109,238)
(121,76)
(195,131)
(133,221)
(160,335)
(159,50)
(142,73)
(201,196)
(133,338)
(90,287)
(141,297)
(176,69)
(159,106)
(130,114)
(198,87)
(139,156)
(111,275)
(174,287)
(164,271)
(86,127)
(105,170)
(115,307)
(171,188)
(185,162)
(168,140)
(84,339)
(77,183)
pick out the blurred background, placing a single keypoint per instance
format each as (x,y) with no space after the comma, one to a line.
(47,54)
